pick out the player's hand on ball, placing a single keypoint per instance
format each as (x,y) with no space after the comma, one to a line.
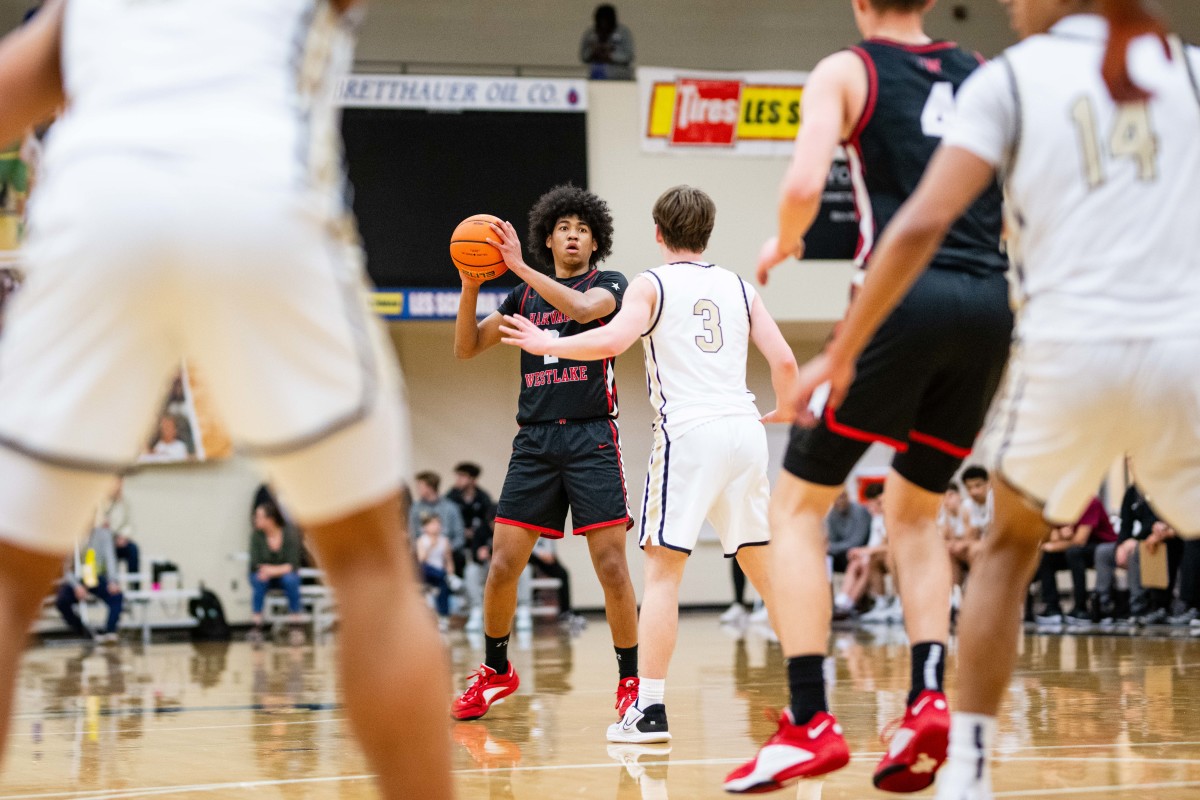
(520,332)
(508,243)
(471,281)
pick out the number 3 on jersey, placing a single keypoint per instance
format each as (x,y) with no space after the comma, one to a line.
(710,318)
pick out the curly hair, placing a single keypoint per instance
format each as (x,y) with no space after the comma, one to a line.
(568,200)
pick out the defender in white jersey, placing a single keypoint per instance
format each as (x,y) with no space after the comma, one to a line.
(191,206)
(709,460)
(1102,207)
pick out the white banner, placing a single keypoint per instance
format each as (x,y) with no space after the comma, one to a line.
(734,113)
(460,93)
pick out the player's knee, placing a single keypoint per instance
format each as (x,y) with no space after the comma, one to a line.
(505,568)
(611,568)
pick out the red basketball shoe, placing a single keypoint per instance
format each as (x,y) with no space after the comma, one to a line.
(627,694)
(487,688)
(794,752)
(918,746)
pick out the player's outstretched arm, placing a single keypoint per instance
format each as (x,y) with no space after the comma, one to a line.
(611,340)
(472,337)
(31,88)
(831,105)
(952,181)
(767,337)
(583,307)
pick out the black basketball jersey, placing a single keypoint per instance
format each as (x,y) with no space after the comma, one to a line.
(555,388)
(910,102)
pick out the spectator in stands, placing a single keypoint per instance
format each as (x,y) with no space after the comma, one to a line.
(961,537)
(1072,547)
(847,525)
(428,499)
(96,575)
(477,510)
(544,561)
(1136,522)
(866,567)
(978,502)
(1189,582)
(274,564)
(114,516)
(168,446)
(607,46)
(437,563)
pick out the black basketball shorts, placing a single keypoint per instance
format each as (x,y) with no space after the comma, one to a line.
(922,386)
(556,466)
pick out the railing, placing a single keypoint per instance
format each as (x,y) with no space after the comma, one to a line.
(458,68)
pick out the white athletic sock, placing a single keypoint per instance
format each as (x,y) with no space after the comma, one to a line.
(842,601)
(650,691)
(971,739)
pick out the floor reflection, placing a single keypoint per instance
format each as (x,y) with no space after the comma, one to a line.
(1090,716)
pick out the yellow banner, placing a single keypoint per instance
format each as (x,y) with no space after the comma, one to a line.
(768,113)
(388,304)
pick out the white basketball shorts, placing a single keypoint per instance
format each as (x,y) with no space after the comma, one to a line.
(134,264)
(1068,411)
(716,471)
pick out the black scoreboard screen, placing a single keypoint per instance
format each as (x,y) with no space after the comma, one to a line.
(417,173)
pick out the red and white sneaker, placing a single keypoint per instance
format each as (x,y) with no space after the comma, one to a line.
(627,694)
(918,747)
(794,752)
(487,688)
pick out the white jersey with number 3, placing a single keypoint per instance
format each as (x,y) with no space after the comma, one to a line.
(696,345)
(1103,200)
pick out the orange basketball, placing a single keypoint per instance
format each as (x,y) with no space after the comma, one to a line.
(470,251)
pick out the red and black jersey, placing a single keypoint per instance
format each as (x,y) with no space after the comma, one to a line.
(555,388)
(910,102)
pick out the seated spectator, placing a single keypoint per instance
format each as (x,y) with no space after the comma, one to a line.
(437,563)
(96,575)
(274,564)
(961,537)
(544,561)
(168,446)
(113,515)
(1189,583)
(1072,547)
(866,568)
(979,503)
(607,46)
(476,508)
(427,499)
(847,525)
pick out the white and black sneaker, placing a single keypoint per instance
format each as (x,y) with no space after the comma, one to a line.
(640,727)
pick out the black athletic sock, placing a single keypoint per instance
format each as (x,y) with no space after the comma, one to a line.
(495,651)
(806,680)
(928,668)
(627,661)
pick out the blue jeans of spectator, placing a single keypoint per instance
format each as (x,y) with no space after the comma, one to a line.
(66,605)
(132,558)
(437,579)
(289,583)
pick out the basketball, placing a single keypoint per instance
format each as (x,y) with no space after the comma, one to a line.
(470,251)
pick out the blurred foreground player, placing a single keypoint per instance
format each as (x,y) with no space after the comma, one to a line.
(1103,210)
(923,388)
(195,171)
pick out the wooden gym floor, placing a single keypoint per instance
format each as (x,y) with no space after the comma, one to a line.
(1087,717)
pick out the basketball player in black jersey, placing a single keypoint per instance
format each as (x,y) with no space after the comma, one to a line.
(923,386)
(567,453)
